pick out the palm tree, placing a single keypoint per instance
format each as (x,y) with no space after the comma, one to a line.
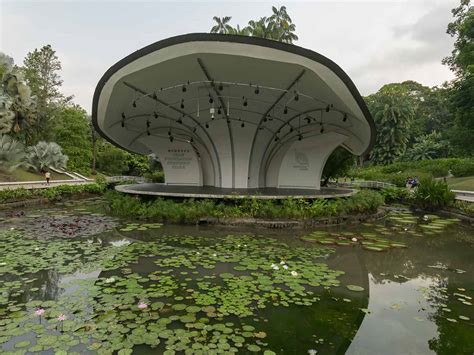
(12,153)
(278,27)
(240,31)
(260,28)
(45,155)
(222,25)
(282,27)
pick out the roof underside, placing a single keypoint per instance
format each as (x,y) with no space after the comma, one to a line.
(275,87)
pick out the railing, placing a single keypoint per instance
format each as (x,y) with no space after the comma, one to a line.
(137,179)
(366,184)
(464,195)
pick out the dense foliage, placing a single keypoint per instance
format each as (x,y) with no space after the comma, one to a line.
(17,105)
(45,155)
(393,113)
(53,193)
(278,26)
(397,173)
(433,194)
(12,153)
(338,165)
(73,133)
(190,211)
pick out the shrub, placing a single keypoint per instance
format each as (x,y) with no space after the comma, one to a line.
(51,193)
(190,211)
(12,153)
(44,155)
(157,176)
(432,194)
(396,194)
(463,167)
(361,202)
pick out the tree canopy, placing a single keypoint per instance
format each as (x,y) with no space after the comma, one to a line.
(278,26)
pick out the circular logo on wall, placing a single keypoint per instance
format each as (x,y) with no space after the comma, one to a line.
(301,158)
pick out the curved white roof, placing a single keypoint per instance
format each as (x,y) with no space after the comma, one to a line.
(235,100)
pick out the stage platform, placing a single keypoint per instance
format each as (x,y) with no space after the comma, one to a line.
(156,189)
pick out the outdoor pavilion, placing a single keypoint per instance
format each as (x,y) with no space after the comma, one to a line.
(232,115)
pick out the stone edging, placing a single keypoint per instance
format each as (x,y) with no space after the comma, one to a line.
(458,214)
(294,224)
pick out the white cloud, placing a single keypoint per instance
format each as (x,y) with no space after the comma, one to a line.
(375,42)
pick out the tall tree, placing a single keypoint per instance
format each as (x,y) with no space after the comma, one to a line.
(278,26)
(17,106)
(72,132)
(461,63)
(260,28)
(282,27)
(393,112)
(431,109)
(461,60)
(222,25)
(41,70)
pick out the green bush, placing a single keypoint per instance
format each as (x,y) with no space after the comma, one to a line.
(52,193)
(398,178)
(432,194)
(362,202)
(463,167)
(157,176)
(396,194)
(190,211)
(44,155)
(398,172)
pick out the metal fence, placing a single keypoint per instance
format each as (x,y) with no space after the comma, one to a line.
(137,179)
(366,184)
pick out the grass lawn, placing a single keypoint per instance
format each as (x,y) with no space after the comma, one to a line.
(24,175)
(461,183)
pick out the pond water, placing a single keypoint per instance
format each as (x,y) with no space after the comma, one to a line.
(75,280)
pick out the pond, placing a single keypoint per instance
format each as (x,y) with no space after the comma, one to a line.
(73,279)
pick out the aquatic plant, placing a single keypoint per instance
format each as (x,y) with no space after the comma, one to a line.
(191,211)
(432,195)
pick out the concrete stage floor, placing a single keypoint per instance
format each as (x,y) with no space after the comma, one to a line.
(155,189)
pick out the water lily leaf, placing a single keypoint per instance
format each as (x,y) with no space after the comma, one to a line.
(355,288)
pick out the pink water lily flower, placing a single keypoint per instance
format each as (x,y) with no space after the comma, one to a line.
(61,317)
(39,311)
(142,305)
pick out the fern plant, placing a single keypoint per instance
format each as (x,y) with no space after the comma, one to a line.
(46,154)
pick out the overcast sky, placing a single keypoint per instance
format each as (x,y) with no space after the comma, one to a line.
(375,42)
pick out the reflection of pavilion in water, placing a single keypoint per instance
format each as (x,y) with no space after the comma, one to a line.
(297,327)
(409,289)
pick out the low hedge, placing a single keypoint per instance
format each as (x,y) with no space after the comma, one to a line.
(190,211)
(463,167)
(397,173)
(53,193)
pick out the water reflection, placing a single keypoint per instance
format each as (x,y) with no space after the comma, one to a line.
(415,300)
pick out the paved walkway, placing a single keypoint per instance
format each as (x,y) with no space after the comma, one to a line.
(160,189)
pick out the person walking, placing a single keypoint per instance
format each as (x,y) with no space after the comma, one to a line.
(47,175)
